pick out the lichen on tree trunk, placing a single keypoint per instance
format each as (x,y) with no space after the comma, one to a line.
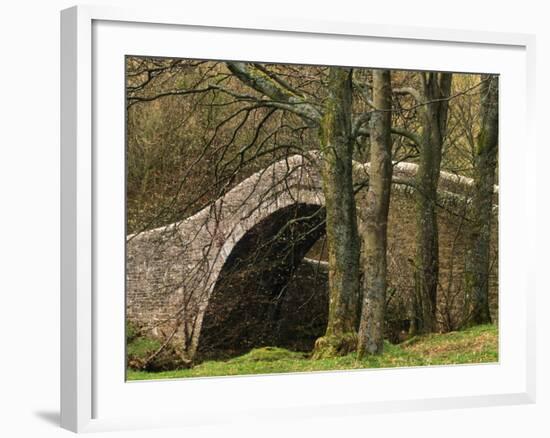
(341,222)
(373,223)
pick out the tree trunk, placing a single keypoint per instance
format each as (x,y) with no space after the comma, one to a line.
(485,160)
(341,223)
(373,224)
(433,113)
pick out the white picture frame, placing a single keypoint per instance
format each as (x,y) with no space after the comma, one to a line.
(92,389)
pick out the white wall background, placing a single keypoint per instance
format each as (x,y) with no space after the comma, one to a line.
(29,217)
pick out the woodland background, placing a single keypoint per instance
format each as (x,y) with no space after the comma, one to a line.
(196,129)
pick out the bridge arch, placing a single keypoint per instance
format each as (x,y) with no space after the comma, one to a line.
(176,268)
(253,283)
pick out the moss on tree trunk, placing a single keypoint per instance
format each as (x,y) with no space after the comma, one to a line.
(341,223)
(477,265)
(433,112)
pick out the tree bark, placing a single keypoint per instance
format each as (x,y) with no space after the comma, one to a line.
(436,89)
(373,223)
(477,264)
(341,222)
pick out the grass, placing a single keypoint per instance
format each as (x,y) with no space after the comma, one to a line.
(142,347)
(475,345)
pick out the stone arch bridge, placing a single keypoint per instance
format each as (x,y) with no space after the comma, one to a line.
(268,222)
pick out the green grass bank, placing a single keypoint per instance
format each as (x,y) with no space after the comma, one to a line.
(475,345)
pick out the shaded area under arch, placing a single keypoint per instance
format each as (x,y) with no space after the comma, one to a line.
(254,302)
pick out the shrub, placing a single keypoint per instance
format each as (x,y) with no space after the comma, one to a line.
(151,354)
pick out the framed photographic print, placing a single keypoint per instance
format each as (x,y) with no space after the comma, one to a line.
(273,217)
